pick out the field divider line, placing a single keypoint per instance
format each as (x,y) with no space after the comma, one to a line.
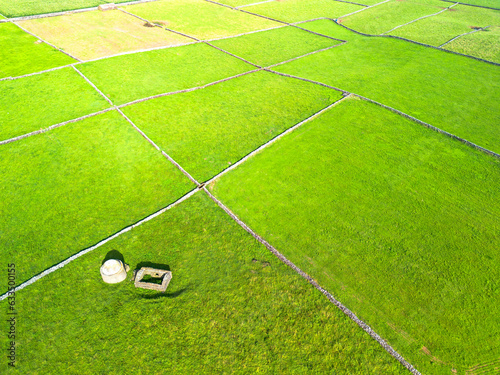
(472,5)
(418,19)
(458,36)
(267,68)
(36,73)
(365,327)
(308,80)
(94,86)
(360,10)
(271,141)
(249,5)
(60,265)
(44,41)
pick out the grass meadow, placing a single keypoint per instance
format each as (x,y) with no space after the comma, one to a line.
(20,8)
(483,44)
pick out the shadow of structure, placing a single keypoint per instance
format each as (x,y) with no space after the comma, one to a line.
(113,254)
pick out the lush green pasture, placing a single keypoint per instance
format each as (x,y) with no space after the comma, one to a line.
(237,3)
(485,3)
(384,17)
(207,130)
(130,77)
(398,222)
(21,53)
(69,188)
(301,10)
(17,8)
(231,307)
(439,29)
(484,44)
(274,46)
(97,34)
(36,102)
(200,18)
(455,93)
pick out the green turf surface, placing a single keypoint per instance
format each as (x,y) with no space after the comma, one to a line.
(21,53)
(384,17)
(36,102)
(130,77)
(439,29)
(207,130)
(69,188)
(231,307)
(454,93)
(274,46)
(200,18)
(484,3)
(399,222)
(302,10)
(482,44)
(19,8)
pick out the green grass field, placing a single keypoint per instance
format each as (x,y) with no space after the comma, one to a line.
(69,188)
(483,44)
(37,102)
(22,54)
(209,135)
(19,8)
(401,222)
(484,3)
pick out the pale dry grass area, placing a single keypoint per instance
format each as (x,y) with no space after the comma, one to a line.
(91,35)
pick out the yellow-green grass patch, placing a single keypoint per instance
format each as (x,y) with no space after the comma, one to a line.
(67,189)
(400,223)
(91,35)
(22,53)
(200,18)
(37,102)
(483,44)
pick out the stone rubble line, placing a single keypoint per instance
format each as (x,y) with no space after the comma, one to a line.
(365,327)
(360,10)
(420,18)
(458,36)
(472,5)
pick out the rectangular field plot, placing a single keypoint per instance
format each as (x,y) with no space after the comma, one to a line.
(483,44)
(399,223)
(454,93)
(199,18)
(130,77)
(439,29)
(483,3)
(97,34)
(231,305)
(270,47)
(37,102)
(207,130)
(69,188)
(384,17)
(302,10)
(21,53)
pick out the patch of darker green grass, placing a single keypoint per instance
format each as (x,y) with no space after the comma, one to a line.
(130,77)
(270,47)
(36,102)
(21,53)
(484,3)
(231,307)
(67,189)
(207,130)
(400,223)
(454,93)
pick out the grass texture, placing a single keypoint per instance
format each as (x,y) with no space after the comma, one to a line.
(91,35)
(385,16)
(21,53)
(69,188)
(451,92)
(484,3)
(220,124)
(274,46)
(439,29)
(483,44)
(199,18)
(301,10)
(231,307)
(398,222)
(36,102)
(130,77)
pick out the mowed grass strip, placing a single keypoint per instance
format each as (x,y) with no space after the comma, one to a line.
(483,44)
(439,29)
(207,130)
(67,189)
(231,307)
(37,102)
(454,93)
(200,18)
(302,10)
(19,8)
(22,53)
(270,47)
(91,35)
(386,16)
(399,223)
(136,76)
